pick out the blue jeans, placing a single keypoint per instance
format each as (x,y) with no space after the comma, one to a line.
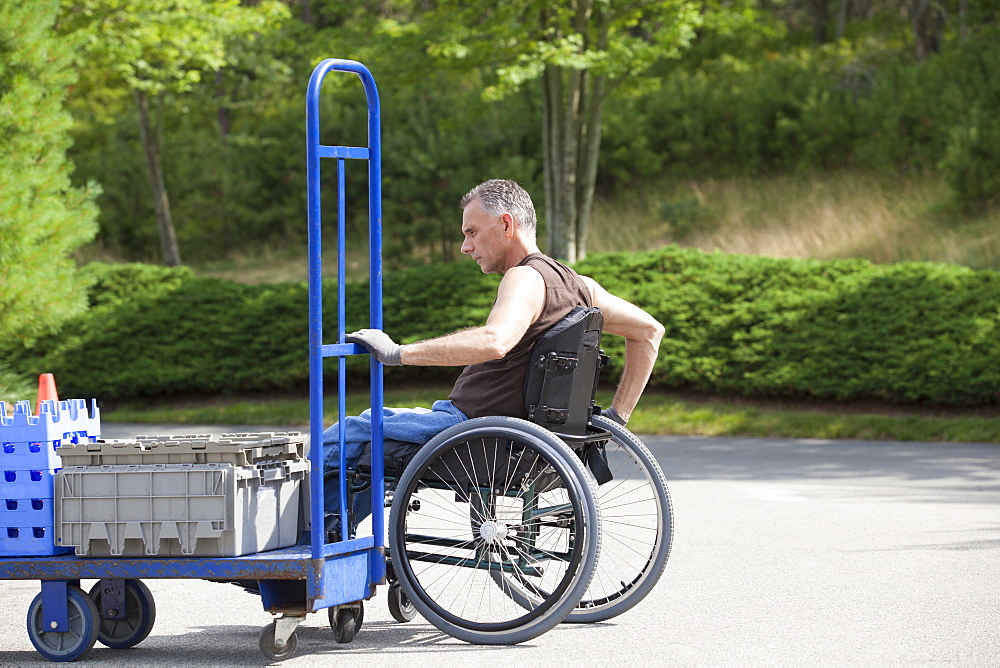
(412,425)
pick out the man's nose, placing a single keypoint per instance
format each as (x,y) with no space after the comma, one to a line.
(466,246)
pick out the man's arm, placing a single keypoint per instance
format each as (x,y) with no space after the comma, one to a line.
(520,299)
(642,343)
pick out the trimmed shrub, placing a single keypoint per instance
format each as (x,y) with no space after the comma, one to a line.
(158,331)
(755,326)
(836,330)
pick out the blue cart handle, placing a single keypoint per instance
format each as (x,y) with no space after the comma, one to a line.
(317,350)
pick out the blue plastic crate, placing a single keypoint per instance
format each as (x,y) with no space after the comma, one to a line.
(29,541)
(26,484)
(30,456)
(26,512)
(56,422)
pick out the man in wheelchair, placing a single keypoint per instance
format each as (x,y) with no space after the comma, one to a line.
(496,530)
(536,292)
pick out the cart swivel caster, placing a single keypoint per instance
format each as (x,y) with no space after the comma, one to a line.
(79,635)
(399,605)
(278,641)
(128,615)
(345,620)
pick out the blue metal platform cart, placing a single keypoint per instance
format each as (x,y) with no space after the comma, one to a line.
(495,531)
(64,622)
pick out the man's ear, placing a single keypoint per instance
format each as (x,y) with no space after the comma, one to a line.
(509,224)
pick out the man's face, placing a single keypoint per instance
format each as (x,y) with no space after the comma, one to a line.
(485,238)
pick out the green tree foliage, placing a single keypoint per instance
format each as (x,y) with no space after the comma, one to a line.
(42,217)
(810,108)
(579,51)
(150,48)
(463,100)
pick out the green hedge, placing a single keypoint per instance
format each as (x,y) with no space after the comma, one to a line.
(841,330)
(913,332)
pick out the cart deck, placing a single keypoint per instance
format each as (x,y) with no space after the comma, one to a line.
(336,578)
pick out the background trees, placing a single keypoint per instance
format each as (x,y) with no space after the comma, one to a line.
(151,48)
(519,88)
(42,217)
(579,52)
(205,97)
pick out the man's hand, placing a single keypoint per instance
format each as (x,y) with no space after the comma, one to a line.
(378,344)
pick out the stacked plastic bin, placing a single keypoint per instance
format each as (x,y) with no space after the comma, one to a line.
(29,460)
(182,496)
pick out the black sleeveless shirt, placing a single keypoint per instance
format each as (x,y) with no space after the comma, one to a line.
(495,387)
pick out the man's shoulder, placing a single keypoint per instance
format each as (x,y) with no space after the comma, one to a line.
(540,261)
(523,274)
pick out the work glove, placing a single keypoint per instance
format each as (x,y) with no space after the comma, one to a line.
(612,414)
(378,344)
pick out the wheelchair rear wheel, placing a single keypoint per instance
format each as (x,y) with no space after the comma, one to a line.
(636,532)
(637,528)
(488,496)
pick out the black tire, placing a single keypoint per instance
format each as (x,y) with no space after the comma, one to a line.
(637,524)
(271,650)
(636,531)
(346,621)
(479,483)
(400,607)
(73,643)
(133,625)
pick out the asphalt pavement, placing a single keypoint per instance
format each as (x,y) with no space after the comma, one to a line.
(786,552)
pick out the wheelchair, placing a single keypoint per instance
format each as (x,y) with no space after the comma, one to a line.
(500,528)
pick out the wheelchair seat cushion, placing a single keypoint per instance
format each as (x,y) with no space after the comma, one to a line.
(397,454)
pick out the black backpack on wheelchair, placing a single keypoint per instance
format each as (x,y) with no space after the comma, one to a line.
(561,385)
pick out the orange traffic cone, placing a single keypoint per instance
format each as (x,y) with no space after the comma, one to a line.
(46,390)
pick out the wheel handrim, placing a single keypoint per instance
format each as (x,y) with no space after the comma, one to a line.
(632,531)
(487,527)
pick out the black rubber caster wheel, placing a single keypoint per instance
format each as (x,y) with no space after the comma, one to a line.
(128,627)
(271,650)
(346,621)
(77,640)
(399,606)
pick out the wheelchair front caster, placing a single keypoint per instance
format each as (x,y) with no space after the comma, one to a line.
(346,620)
(399,606)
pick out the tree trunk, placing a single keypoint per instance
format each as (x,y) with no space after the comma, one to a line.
(592,106)
(843,11)
(224,113)
(161,202)
(820,20)
(554,162)
(571,138)
(590,140)
(572,101)
(928,25)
